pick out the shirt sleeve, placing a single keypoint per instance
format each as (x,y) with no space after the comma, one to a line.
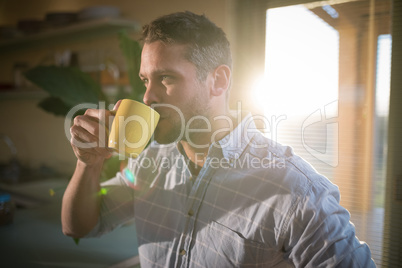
(117,205)
(320,233)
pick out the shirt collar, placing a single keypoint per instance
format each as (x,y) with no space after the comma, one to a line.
(234,144)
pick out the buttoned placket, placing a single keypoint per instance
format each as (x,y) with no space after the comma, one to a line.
(195,200)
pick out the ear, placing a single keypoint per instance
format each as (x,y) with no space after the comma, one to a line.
(221,80)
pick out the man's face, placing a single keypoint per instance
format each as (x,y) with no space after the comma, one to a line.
(172,89)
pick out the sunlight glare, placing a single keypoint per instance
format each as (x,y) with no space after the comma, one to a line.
(301,63)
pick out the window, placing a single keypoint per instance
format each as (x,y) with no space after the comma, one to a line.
(328,79)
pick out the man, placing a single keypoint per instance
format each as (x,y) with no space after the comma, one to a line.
(211,191)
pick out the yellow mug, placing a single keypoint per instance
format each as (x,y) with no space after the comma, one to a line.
(132,127)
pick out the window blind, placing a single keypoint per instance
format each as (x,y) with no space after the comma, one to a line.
(328,74)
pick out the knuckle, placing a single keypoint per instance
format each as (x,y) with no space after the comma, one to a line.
(73,129)
(92,112)
(78,119)
(88,111)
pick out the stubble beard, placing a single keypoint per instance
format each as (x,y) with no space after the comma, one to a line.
(198,106)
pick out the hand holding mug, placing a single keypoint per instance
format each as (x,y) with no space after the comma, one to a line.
(89,134)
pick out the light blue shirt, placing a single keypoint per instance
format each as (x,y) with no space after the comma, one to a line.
(254,204)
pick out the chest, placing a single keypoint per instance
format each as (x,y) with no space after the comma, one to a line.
(231,216)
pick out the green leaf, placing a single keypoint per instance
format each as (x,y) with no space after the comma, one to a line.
(76,240)
(69,84)
(54,105)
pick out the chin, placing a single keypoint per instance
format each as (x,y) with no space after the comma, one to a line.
(165,134)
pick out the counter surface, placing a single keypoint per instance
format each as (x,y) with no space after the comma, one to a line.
(35,237)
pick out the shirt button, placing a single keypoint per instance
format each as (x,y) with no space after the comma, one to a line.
(183,252)
(190,212)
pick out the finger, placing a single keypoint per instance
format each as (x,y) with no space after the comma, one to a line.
(116,106)
(81,138)
(85,143)
(101,116)
(98,114)
(87,156)
(97,129)
(95,113)
(83,156)
(91,150)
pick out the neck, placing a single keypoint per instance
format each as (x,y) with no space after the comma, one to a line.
(197,145)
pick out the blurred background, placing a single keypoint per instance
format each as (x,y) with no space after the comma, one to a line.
(323,77)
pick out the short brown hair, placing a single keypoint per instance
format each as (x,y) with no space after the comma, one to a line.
(208,46)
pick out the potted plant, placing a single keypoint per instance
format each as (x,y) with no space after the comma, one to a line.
(69,86)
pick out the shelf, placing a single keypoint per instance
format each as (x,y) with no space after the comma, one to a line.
(23,94)
(72,33)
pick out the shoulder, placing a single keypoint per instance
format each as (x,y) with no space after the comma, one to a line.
(288,169)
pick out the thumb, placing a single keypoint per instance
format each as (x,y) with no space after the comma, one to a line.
(116,106)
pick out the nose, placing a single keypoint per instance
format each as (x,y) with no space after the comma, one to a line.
(151,95)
